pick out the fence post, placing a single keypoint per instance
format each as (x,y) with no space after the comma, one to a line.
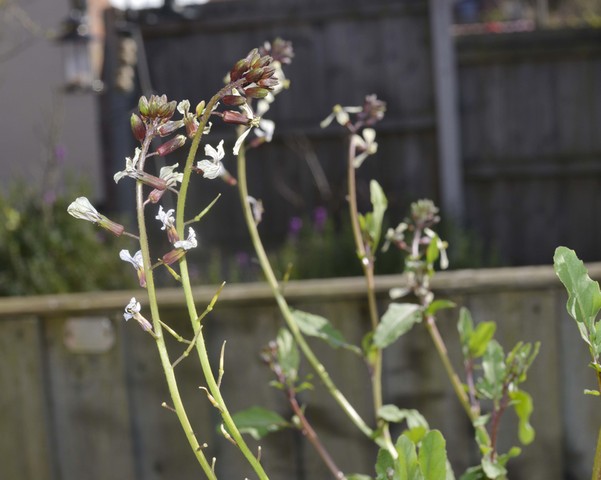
(450,168)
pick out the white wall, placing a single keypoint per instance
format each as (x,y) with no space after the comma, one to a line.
(32,104)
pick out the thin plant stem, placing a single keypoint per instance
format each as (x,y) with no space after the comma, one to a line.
(338,396)
(597,462)
(178,405)
(185,279)
(367,264)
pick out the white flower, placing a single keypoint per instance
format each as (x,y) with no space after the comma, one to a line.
(136,260)
(132,309)
(189,243)
(166,218)
(183,107)
(212,168)
(257,209)
(366,144)
(170,176)
(341,114)
(266,127)
(442,247)
(130,167)
(82,209)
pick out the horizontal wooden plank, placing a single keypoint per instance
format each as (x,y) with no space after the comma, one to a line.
(454,282)
(534,46)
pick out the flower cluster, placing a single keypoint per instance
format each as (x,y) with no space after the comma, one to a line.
(363,138)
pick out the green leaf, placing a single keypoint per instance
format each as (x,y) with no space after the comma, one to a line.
(408,466)
(392,413)
(432,252)
(317,326)
(385,466)
(437,305)
(594,393)
(474,473)
(433,456)
(288,354)
(398,319)
(373,222)
(492,469)
(493,365)
(522,404)
(481,336)
(416,434)
(584,295)
(512,453)
(357,476)
(258,422)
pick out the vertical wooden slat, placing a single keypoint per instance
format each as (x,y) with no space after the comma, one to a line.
(25,450)
(90,410)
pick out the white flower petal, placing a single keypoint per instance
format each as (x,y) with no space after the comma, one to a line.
(210,169)
(240,140)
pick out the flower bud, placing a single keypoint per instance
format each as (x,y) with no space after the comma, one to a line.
(115,228)
(268,82)
(238,70)
(144,106)
(169,127)
(254,75)
(150,180)
(237,118)
(253,57)
(200,108)
(155,196)
(256,92)
(268,72)
(233,100)
(171,145)
(263,61)
(137,127)
(167,109)
(173,256)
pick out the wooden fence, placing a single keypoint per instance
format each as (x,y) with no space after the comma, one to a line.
(530,108)
(81,390)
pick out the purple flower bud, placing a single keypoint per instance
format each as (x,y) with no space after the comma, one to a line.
(169,127)
(253,57)
(173,256)
(238,70)
(233,100)
(150,180)
(254,75)
(268,82)
(137,127)
(256,92)
(237,118)
(171,145)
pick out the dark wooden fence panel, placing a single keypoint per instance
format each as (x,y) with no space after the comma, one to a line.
(344,51)
(530,122)
(67,414)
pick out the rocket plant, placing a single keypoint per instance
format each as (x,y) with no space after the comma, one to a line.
(493,379)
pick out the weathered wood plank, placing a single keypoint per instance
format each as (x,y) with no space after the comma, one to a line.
(25,434)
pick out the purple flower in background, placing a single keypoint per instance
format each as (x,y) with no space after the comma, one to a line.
(242,259)
(294,226)
(320,217)
(60,153)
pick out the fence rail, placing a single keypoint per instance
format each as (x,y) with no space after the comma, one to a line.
(70,413)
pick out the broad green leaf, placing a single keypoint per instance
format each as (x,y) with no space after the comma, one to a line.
(258,422)
(288,354)
(380,204)
(398,319)
(522,404)
(408,466)
(437,305)
(493,366)
(492,469)
(416,434)
(433,456)
(386,469)
(481,336)
(584,301)
(317,326)
(392,413)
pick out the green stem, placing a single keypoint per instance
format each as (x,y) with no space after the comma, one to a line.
(597,462)
(178,405)
(185,278)
(367,264)
(283,305)
(448,366)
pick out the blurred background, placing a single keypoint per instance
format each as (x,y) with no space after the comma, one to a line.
(494,112)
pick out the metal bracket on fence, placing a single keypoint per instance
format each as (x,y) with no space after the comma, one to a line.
(88,334)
